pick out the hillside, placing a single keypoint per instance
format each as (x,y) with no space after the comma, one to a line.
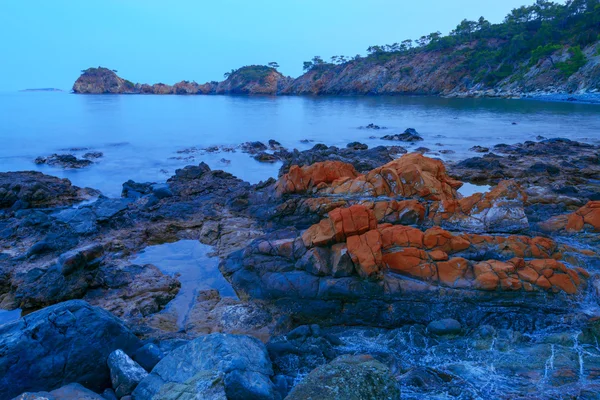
(541,49)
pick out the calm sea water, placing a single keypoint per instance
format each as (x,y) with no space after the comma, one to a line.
(140,135)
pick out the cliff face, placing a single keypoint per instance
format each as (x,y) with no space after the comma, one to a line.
(444,73)
(249,80)
(254,79)
(440,72)
(102,80)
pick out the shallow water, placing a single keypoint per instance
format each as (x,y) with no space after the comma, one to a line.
(197,271)
(139,135)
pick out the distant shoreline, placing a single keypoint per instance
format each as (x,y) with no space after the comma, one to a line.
(42,90)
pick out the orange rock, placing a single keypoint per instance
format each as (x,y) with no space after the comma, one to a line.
(487,281)
(404,212)
(341,224)
(438,255)
(411,261)
(401,236)
(438,238)
(365,252)
(301,179)
(585,218)
(564,282)
(587,215)
(410,175)
(452,272)
(528,274)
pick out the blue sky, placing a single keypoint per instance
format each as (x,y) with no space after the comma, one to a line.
(45,43)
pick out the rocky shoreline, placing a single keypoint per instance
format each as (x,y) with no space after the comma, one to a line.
(361,267)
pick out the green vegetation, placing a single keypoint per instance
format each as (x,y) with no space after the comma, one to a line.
(251,73)
(492,52)
(573,64)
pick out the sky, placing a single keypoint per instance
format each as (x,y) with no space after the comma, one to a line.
(46,43)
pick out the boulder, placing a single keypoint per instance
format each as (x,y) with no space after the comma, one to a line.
(125,374)
(72,391)
(66,343)
(66,161)
(348,378)
(446,326)
(243,362)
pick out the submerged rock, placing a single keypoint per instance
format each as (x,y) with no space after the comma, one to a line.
(348,378)
(409,135)
(66,161)
(61,344)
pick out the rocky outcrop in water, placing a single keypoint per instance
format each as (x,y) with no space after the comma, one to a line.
(349,251)
(253,80)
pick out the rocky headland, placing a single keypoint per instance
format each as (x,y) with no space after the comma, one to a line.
(361,267)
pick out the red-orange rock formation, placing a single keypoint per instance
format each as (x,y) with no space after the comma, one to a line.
(442,258)
(587,219)
(301,179)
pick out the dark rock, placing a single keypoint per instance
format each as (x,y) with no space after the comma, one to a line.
(243,362)
(409,135)
(125,374)
(92,155)
(64,343)
(148,356)
(161,190)
(543,167)
(479,149)
(66,161)
(447,151)
(275,145)
(446,326)
(134,190)
(266,157)
(37,190)
(109,394)
(357,146)
(372,126)
(422,150)
(348,377)
(80,220)
(72,391)
(191,172)
(253,147)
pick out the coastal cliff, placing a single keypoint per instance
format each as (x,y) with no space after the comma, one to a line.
(545,48)
(254,79)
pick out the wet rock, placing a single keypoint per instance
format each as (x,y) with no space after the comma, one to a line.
(275,145)
(191,172)
(148,356)
(357,146)
(348,377)
(479,149)
(36,190)
(446,326)
(409,135)
(266,157)
(134,190)
(242,360)
(93,155)
(372,126)
(72,391)
(125,374)
(205,385)
(68,342)
(66,161)
(161,190)
(253,147)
